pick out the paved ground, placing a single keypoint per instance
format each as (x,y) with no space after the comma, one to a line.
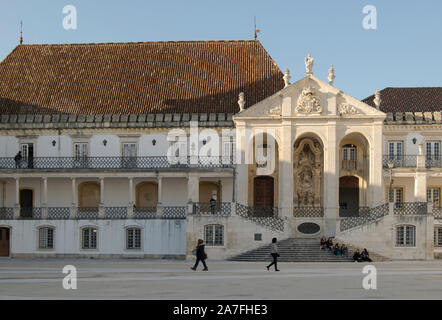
(160,279)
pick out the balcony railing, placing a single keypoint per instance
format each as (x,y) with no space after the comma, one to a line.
(115,163)
(310,212)
(266,216)
(399,160)
(368,215)
(349,165)
(218,208)
(433,161)
(437,212)
(6,213)
(410,208)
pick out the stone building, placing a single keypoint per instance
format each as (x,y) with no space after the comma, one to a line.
(139,149)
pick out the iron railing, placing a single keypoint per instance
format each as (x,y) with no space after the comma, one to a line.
(349,164)
(145,212)
(171,212)
(353,212)
(369,216)
(115,163)
(90,213)
(433,160)
(59,213)
(218,208)
(399,160)
(261,216)
(30,213)
(6,213)
(115,213)
(308,212)
(437,212)
(410,208)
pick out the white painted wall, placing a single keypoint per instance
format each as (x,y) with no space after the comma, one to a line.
(159,237)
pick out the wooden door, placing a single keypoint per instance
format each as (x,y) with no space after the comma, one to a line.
(4,242)
(264,195)
(26,203)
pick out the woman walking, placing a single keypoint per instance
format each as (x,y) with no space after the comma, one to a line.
(275,254)
(200,255)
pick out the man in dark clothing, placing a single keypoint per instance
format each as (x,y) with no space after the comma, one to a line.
(357,256)
(200,256)
(365,256)
(17,159)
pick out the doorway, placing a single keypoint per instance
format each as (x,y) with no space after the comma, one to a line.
(26,203)
(4,242)
(349,196)
(263,196)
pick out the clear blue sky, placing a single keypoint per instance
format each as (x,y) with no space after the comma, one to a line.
(404,51)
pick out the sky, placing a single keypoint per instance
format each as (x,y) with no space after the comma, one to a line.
(405,49)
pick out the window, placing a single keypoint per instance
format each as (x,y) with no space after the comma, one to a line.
(433,150)
(405,236)
(438,236)
(349,152)
(133,238)
(89,238)
(129,154)
(398,197)
(433,196)
(214,234)
(80,151)
(395,149)
(46,238)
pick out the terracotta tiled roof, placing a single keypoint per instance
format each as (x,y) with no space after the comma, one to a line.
(409,99)
(133,78)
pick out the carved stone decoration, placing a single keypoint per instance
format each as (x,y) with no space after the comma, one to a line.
(308,102)
(347,109)
(307,174)
(309,65)
(241,101)
(274,111)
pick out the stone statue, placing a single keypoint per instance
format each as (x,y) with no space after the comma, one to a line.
(309,65)
(331,75)
(241,101)
(286,78)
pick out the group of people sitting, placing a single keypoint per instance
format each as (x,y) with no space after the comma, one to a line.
(342,250)
(338,250)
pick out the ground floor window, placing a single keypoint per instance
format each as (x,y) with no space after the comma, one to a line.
(438,236)
(46,238)
(405,236)
(133,238)
(214,234)
(89,238)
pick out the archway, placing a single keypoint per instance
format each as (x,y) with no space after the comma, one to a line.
(209,190)
(146,194)
(89,195)
(26,203)
(264,195)
(348,196)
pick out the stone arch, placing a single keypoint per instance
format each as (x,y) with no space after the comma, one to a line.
(209,189)
(146,194)
(89,194)
(308,171)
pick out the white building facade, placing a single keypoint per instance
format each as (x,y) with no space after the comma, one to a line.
(149,184)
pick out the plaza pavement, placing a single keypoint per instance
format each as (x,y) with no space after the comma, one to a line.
(172,279)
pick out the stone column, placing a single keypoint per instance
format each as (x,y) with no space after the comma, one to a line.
(193,186)
(376,179)
(130,209)
(160,196)
(44,205)
(331,180)
(286,171)
(101,208)
(74,203)
(242,179)
(17,199)
(420,181)
(429,239)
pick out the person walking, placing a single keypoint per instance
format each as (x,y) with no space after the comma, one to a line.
(200,255)
(275,254)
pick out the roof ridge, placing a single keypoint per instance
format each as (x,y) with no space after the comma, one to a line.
(136,42)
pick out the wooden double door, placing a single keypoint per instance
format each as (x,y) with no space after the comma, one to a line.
(4,242)
(263,197)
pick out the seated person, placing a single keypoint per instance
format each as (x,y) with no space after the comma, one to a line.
(344,250)
(357,256)
(323,244)
(330,244)
(337,250)
(365,256)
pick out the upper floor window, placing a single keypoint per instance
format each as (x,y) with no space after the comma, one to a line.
(80,150)
(405,236)
(129,151)
(133,238)
(46,238)
(395,149)
(398,197)
(89,238)
(214,235)
(349,152)
(433,149)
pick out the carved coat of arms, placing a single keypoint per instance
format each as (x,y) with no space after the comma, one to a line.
(308,102)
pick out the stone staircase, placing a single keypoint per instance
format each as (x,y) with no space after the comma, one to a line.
(293,250)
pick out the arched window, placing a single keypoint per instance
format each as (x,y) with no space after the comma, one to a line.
(89,238)
(133,238)
(45,238)
(214,235)
(405,236)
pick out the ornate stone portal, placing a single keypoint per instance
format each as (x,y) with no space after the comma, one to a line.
(308,102)
(308,174)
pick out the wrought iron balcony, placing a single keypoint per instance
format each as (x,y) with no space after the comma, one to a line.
(399,160)
(410,208)
(311,212)
(218,208)
(349,165)
(266,216)
(115,163)
(434,160)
